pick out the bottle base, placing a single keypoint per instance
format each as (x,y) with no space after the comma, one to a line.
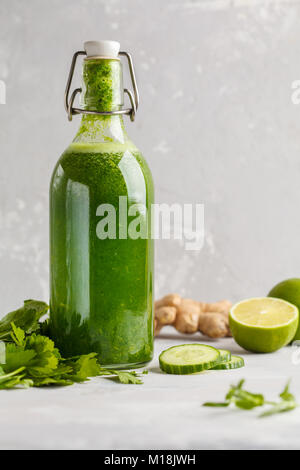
(135,365)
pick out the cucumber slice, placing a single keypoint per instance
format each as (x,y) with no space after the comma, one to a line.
(225,355)
(236,362)
(189,358)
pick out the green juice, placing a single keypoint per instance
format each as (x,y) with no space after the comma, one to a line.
(102,286)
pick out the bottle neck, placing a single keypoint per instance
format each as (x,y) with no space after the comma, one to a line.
(102,90)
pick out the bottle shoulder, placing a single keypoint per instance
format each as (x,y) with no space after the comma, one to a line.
(96,164)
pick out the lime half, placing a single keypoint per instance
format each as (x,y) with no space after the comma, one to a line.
(288,290)
(263,324)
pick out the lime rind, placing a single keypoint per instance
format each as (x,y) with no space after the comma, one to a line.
(266,338)
(288,290)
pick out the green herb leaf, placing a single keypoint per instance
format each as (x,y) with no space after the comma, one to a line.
(18,381)
(46,355)
(13,379)
(287,403)
(46,381)
(281,407)
(26,317)
(126,377)
(4,377)
(17,334)
(217,404)
(243,399)
(286,395)
(234,388)
(247,400)
(36,353)
(33,360)
(16,357)
(83,367)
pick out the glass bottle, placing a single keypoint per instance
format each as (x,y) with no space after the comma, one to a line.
(101,250)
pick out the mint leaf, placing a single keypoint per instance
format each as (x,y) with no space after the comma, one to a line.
(234,389)
(247,401)
(281,407)
(286,395)
(287,403)
(217,404)
(243,399)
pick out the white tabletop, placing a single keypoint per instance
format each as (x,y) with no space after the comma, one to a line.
(163,413)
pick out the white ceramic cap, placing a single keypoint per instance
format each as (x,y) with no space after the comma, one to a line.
(102,48)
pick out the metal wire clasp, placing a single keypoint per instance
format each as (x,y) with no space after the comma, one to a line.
(133,96)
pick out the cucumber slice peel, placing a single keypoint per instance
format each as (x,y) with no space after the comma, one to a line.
(225,355)
(189,358)
(236,362)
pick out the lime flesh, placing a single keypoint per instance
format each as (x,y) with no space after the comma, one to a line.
(263,324)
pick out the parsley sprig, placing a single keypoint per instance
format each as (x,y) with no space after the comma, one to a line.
(245,400)
(32,360)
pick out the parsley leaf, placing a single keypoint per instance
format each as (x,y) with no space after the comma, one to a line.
(46,355)
(18,381)
(55,381)
(13,379)
(27,318)
(17,334)
(16,357)
(32,360)
(126,377)
(83,367)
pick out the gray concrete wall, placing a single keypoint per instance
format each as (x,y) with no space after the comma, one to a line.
(216,124)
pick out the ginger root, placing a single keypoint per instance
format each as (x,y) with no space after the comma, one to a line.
(189,316)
